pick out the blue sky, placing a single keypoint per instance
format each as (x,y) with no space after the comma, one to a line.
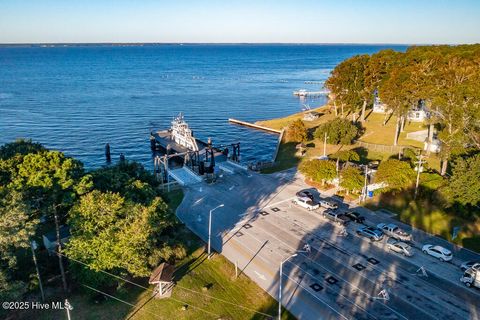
(294,21)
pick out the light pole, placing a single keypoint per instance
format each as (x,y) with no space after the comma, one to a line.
(281,275)
(34,246)
(210,226)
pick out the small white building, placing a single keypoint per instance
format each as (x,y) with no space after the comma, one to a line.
(435,146)
(418,114)
(311,116)
(378,105)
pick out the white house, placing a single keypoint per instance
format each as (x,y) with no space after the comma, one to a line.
(419,113)
(378,105)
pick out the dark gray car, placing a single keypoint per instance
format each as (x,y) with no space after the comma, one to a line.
(374,234)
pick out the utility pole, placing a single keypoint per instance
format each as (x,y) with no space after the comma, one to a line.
(419,167)
(325,146)
(59,240)
(365,183)
(33,246)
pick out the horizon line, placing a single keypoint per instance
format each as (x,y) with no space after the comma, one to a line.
(225,43)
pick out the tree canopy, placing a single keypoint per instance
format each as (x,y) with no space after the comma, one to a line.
(444,78)
(296,131)
(319,170)
(464,184)
(339,131)
(396,174)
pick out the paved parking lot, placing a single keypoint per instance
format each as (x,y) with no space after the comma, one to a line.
(344,276)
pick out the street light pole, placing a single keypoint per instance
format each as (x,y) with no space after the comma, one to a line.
(280,285)
(308,250)
(210,226)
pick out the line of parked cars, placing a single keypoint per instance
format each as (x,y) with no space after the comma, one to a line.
(398,240)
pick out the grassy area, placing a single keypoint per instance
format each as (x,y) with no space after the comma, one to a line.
(203,288)
(375,132)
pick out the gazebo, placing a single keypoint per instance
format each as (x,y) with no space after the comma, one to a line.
(162,279)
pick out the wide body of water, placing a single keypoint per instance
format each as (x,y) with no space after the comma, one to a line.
(76,99)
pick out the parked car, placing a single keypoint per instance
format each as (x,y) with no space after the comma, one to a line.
(305,194)
(394,231)
(335,216)
(374,234)
(306,203)
(470,264)
(439,252)
(328,204)
(399,247)
(355,216)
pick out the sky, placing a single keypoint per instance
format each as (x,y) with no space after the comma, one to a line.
(239,21)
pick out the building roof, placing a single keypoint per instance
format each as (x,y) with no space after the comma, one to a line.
(64,233)
(162,273)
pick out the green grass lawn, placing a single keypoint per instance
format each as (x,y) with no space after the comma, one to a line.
(205,289)
(375,132)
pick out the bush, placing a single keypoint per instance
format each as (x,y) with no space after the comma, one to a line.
(346,155)
(297,132)
(396,174)
(339,131)
(351,179)
(319,170)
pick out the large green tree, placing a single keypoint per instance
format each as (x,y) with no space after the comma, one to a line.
(110,233)
(351,179)
(319,170)
(338,131)
(464,184)
(396,174)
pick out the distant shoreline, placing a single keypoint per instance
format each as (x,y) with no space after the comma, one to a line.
(154,44)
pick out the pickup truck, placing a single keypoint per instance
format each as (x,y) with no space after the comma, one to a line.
(471,277)
(394,231)
(335,216)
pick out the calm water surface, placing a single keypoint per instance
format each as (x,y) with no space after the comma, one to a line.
(76,99)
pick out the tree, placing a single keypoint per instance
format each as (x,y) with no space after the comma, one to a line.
(53,180)
(396,174)
(464,184)
(339,131)
(296,131)
(346,155)
(319,170)
(351,179)
(110,233)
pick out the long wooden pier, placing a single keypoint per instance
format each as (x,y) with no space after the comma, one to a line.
(253,125)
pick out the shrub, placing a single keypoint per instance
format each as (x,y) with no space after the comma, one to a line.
(351,179)
(396,174)
(346,155)
(339,131)
(319,170)
(296,131)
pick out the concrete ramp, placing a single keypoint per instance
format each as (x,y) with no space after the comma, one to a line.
(184,176)
(231,167)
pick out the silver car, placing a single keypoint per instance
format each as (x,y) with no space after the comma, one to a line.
(399,247)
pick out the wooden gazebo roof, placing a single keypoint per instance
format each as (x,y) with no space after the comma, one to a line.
(162,273)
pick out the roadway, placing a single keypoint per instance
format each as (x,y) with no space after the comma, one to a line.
(342,276)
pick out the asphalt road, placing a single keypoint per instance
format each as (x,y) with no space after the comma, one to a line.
(343,276)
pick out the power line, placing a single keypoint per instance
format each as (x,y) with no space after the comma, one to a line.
(118,299)
(177,285)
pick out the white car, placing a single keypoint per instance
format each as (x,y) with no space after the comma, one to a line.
(306,203)
(399,247)
(439,252)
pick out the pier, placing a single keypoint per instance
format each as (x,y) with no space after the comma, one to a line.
(305,93)
(253,125)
